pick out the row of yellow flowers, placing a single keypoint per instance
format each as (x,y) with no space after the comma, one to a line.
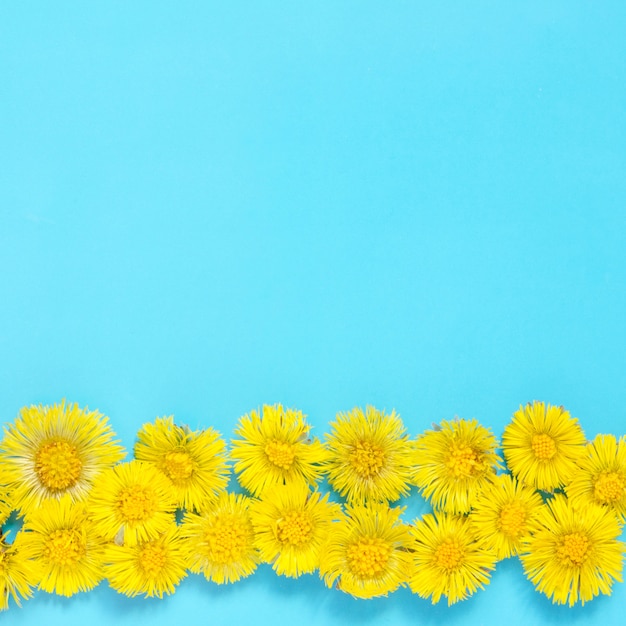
(554,499)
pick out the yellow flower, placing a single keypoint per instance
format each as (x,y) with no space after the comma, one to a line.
(503,514)
(62,540)
(370,456)
(50,451)
(194,462)
(601,478)
(6,505)
(290,525)
(573,554)
(542,445)
(19,572)
(275,449)
(132,502)
(366,553)
(220,540)
(454,462)
(152,568)
(448,559)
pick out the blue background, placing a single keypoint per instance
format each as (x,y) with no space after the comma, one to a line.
(205,207)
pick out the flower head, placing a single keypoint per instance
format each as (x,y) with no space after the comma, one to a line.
(542,445)
(601,478)
(573,554)
(220,540)
(275,449)
(448,559)
(366,552)
(454,462)
(503,513)
(132,502)
(61,539)
(194,462)
(49,451)
(150,568)
(370,456)
(291,523)
(6,505)
(19,572)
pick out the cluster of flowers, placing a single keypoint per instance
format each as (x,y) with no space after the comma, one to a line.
(558,503)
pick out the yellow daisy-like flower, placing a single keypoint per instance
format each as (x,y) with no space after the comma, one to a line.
(503,514)
(62,540)
(448,559)
(454,462)
(19,572)
(49,451)
(542,445)
(573,554)
(194,462)
(220,540)
(151,568)
(290,525)
(132,502)
(601,478)
(275,449)
(370,456)
(366,553)
(6,505)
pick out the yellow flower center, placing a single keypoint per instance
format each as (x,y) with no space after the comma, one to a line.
(609,487)
(58,465)
(367,459)
(368,557)
(574,549)
(462,460)
(152,558)
(449,554)
(295,528)
(177,465)
(137,503)
(280,453)
(512,519)
(544,446)
(64,547)
(227,541)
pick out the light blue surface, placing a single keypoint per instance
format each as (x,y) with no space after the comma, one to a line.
(205,207)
